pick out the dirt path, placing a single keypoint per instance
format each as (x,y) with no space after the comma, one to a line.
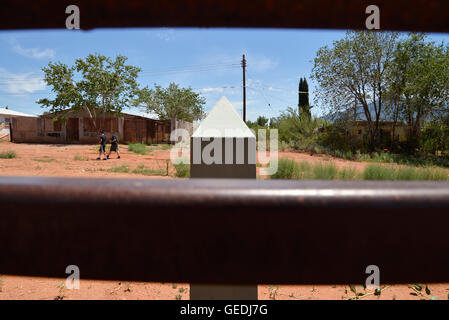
(79,161)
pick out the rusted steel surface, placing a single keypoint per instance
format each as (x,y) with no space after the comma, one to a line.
(225,231)
(413,15)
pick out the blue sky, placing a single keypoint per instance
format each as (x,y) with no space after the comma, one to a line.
(205,59)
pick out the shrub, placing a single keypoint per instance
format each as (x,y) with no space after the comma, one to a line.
(141,169)
(284,146)
(433,174)
(348,174)
(287,169)
(325,171)
(160,147)
(124,168)
(44,159)
(8,154)
(376,172)
(182,170)
(138,148)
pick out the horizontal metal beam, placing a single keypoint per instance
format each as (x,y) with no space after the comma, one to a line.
(405,15)
(225,231)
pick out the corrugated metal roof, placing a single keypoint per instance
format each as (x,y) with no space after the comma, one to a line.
(141,113)
(9,112)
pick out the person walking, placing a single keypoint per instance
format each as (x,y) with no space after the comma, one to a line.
(114,146)
(102,146)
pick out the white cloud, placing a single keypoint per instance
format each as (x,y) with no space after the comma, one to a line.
(34,53)
(20,83)
(206,90)
(166,34)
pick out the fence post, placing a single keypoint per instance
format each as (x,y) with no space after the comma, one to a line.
(225,138)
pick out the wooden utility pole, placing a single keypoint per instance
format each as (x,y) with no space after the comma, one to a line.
(244,88)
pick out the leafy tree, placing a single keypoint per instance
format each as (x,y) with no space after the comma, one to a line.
(274,122)
(353,72)
(105,86)
(434,137)
(172,102)
(418,85)
(262,121)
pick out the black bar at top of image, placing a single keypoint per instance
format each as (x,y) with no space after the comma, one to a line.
(403,15)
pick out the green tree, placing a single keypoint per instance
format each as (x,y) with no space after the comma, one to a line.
(172,102)
(303,98)
(300,95)
(353,72)
(418,85)
(105,86)
(297,130)
(262,121)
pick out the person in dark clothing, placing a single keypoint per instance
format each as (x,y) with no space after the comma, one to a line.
(114,146)
(102,146)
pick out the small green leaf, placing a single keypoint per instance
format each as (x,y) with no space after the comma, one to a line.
(353,289)
(428,290)
(417,286)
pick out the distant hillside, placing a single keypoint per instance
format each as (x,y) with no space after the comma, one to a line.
(359,115)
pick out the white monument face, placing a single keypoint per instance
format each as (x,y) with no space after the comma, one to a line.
(223,146)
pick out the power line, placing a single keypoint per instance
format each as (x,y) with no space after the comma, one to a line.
(231,64)
(263,96)
(275,98)
(222,87)
(278,89)
(51,92)
(194,67)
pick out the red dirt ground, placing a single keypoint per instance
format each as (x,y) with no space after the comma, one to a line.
(59,160)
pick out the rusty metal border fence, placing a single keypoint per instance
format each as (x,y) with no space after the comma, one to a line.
(406,15)
(225,231)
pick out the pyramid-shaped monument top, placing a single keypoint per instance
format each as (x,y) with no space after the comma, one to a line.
(223,121)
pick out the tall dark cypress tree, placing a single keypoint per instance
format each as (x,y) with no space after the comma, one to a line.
(303,98)
(300,102)
(306,95)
